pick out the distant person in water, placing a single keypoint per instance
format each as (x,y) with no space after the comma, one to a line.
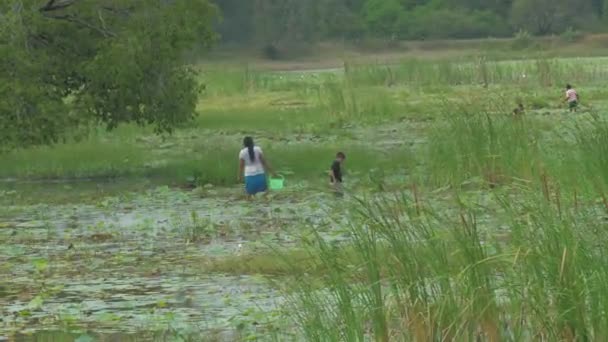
(335,174)
(572,98)
(253,166)
(519,110)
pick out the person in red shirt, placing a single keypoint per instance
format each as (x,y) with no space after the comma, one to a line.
(572,98)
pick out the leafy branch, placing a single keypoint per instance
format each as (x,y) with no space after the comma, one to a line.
(54,5)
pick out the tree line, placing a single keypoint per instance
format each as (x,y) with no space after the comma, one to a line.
(297,21)
(69,65)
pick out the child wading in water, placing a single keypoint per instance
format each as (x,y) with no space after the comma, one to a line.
(572,98)
(335,174)
(253,166)
(519,110)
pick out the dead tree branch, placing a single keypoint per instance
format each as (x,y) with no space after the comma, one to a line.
(54,5)
(71,18)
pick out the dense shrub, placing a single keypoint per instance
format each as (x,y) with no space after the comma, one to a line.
(447,23)
(523,40)
(270,51)
(381,16)
(571,35)
(310,21)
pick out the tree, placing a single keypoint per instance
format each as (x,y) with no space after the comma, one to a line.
(500,7)
(341,19)
(536,16)
(237,23)
(67,64)
(455,23)
(285,24)
(382,16)
(550,16)
(290,27)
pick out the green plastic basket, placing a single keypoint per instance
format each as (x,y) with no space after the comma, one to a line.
(277,183)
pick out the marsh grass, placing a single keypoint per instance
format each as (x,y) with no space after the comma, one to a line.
(299,162)
(469,143)
(226,80)
(239,100)
(279,120)
(197,229)
(481,69)
(478,70)
(73,160)
(574,155)
(526,264)
(347,104)
(446,276)
(312,162)
(591,164)
(208,162)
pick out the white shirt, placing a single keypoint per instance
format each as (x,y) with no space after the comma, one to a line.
(572,95)
(255,167)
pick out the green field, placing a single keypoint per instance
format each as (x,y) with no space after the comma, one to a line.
(462,222)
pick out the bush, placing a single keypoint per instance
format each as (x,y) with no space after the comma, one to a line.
(571,35)
(270,51)
(286,50)
(346,25)
(523,40)
(381,16)
(446,23)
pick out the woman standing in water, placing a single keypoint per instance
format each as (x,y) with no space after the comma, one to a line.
(253,167)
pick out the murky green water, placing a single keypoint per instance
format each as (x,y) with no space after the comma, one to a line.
(136,262)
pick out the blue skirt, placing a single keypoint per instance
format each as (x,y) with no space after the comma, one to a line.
(255,184)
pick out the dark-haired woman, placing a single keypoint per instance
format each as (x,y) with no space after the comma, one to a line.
(253,167)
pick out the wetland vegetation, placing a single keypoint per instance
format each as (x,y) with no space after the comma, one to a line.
(462,222)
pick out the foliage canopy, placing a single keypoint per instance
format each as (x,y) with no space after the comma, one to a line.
(69,64)
(291,21)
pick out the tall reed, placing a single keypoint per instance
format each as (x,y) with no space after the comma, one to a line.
(477,70)
(416,273)
(591,163)
(471,142)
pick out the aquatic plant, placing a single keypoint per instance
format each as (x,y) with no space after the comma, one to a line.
(419,273)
